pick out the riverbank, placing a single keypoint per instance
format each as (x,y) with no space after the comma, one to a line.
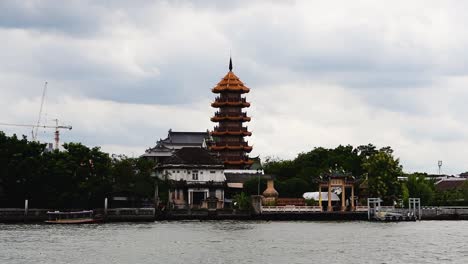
(17,215)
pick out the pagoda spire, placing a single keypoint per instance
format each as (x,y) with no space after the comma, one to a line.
(230,63)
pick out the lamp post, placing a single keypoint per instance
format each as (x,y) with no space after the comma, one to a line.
(258,185)
(156,190)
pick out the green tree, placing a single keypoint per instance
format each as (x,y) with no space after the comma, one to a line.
(383,170)
(419,187)
(251,186)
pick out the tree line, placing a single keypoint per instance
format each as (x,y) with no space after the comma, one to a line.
(376,172)
(81,177)
(77,177)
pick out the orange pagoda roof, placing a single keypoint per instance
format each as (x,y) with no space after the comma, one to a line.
(230,83)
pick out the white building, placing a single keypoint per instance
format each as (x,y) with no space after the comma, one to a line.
(196,176)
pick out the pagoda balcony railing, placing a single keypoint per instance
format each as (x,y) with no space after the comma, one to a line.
(235,144)
(234,100)
(244,158)
(230,129)
(231,114)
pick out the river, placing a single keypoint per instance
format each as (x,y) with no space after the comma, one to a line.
(237,242)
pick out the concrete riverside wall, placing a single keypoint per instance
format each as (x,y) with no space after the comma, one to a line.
(113,214)
(444,213)
(439,213)
(130,214)
(18,215)
(21,215)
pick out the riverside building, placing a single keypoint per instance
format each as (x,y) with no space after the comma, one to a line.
(196,177)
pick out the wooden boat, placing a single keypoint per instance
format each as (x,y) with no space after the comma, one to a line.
(79,217)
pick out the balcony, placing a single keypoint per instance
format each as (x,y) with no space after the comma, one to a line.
(220,102)
(220,146)
(234,129)
(227,144)
(240,131)
(225,99)
(237,160)
(231,116)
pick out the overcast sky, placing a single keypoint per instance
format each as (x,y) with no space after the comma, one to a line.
(321,73)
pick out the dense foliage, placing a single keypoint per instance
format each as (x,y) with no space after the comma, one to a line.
(294,177)
(81,177)
(376,172)
(77,177)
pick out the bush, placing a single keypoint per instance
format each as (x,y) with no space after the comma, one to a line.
(311,202)
(242,201)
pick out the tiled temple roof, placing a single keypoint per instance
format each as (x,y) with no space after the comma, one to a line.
(193,156)
(195,138)
(231,83)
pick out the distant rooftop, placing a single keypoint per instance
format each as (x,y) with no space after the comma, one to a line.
(185,138)
(193,156)
(177,140)
(450,184)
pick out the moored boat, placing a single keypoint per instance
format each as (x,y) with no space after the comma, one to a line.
(79,217)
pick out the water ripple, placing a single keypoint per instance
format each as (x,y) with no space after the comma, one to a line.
(236,241)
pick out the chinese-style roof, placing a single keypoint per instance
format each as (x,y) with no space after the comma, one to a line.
(185,138)
(193,156)
(230,83)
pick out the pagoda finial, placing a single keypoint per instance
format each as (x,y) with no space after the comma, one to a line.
(230,63)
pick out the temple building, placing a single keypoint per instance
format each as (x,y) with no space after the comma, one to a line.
(175,140)
(228,135)
(196,178)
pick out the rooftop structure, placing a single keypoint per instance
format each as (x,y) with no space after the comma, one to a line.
(229,134)
(450,184)
(176,140)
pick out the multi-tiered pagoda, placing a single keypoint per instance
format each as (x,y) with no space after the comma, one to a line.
(229,134)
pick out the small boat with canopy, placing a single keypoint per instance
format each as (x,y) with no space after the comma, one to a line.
(78,217)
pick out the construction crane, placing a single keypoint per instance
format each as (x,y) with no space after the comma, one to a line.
(56,127)
(34,131)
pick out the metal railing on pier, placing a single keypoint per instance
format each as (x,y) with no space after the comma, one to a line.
(290,209)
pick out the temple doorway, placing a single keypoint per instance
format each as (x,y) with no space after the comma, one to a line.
(198,198)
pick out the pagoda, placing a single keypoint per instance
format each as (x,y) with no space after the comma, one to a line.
(229,134)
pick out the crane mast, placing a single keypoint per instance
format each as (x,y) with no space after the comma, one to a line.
(34,133)
(38,124)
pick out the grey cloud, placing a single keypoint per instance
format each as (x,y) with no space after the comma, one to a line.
(363,62)
(70,17)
